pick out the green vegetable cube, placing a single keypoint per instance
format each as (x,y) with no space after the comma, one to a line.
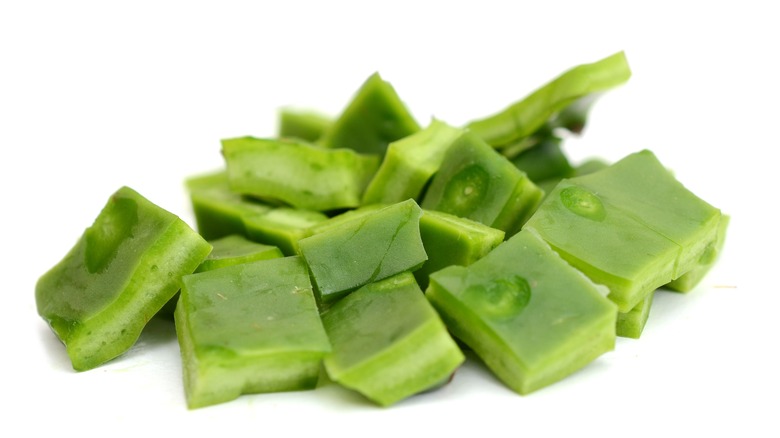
(249,328)
(234,250)
(477,183)
(375,117)
(531,317)
(630,227)
(282,227)
(689,280)
(388,342)
(305,125)
(299,174)
(368,248)
(123,269)
(630,324)
(410,163)
(218,210)
(451,240)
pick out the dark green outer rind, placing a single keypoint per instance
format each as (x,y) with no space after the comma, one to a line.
(375,117)
(99,331)
(523,118)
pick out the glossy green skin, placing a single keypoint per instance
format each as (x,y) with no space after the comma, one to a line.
(525,117)
(689,280)
(631,323)
(375,117)
(304,125)
(249,328)
(339,220)
(121,272)
(410,163)
(282,227)
(367,249)
(388,342)
(234,250)
(531,317)
(451,240)
(218,210)
(299,174)
(477,183)
(640,231)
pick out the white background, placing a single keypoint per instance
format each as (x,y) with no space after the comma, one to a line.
(96,95)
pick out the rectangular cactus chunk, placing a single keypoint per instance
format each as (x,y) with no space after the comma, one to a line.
(249,328)
(531,317)
(121,272)
(368,248)
(297,173)
(388,342)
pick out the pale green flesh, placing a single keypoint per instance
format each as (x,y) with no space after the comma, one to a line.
(632,323)
(249,328)
(120,273)
(451,240)
(388,342)
(409,164)
(235,249)
(615,225)
(369,248)
(645,190)
(689,280)
(530,316)
(610,247)
(282,227)
(299,174)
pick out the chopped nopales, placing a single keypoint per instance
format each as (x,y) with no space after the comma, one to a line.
(531,317)
(523,118)
(375,117)
(282,227)
(121,272)
(305,125)
(369,248)
(410,163)
(687,281)
(249,328)
(388,342)
(631,324)
(451,240)
(476,182)
(630,226)
(297,173)
(234,250)
(218,210)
